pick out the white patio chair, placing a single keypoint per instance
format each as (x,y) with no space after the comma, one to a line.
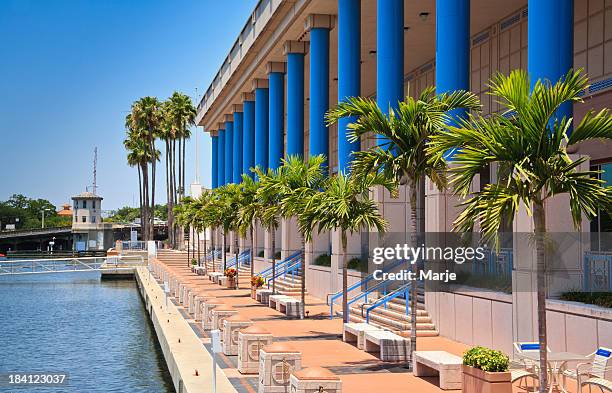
(529,347)
(594,369)
(601,383)
(519,373)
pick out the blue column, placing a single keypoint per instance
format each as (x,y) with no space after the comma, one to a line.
(550,42)
(349,72)
(229,141)
(237,153)
(261,127)
(277,119)
(221,160)
(215,164)
(319,91)
(452,46)
(248,139)
(389,55)
(295,104)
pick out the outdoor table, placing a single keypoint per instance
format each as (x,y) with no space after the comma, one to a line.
(556,365)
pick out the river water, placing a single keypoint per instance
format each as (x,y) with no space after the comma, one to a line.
(96,331)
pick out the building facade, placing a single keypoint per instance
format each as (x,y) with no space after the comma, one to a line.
(295,59)
(89,232)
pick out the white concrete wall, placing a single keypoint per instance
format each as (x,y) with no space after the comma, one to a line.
(486,318)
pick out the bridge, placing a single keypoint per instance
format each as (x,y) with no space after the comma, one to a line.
(109,265)
(32,239)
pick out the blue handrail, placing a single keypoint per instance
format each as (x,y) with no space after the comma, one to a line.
(403,290)
(267,272)
(241,256)
(362,283)
(286,269)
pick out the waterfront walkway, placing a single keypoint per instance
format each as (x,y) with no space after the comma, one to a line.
(317,337)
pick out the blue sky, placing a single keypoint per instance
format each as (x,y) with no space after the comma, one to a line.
(70,71)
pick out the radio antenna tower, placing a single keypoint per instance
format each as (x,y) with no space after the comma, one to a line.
(95,165)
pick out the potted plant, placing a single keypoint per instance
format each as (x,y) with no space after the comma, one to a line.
(231,278)
(194,262)
(256,282)
(486,371)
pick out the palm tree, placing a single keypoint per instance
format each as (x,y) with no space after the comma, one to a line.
(403,157)
(141,155)
(249,213)
(184,214)
(202,218)
(227,208)
(178,115)
(268,205)
(530,146)
(292,183)
(343,204)
(146,118)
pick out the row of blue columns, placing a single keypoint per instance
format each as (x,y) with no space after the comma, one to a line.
(550,56)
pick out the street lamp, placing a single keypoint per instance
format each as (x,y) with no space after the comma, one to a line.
(43,216)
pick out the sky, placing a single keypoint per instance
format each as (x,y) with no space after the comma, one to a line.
(69,72)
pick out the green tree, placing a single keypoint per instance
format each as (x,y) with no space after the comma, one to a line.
(529,145)
(402,157)
(249,213)
(288,186)
(143,125)
(343,204)
(178,115)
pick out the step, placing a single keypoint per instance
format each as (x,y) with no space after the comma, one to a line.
(398,324)
(402,332)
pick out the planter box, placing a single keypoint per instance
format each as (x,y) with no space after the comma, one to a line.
(231,282)
(478,381)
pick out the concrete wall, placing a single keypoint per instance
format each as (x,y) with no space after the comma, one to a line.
(485,318)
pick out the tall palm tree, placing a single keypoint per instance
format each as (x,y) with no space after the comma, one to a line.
(403,157)
(291,183)
(140,154)
(529,144)
(178,116)
(146,118)
(343,204)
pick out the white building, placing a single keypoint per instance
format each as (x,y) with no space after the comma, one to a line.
(89,232)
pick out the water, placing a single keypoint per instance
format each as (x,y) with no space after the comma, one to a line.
(96,331)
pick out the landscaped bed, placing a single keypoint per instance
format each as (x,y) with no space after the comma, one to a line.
(601,299)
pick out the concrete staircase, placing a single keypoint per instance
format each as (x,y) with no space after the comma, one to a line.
(290,286)
(394,317)
(173,257)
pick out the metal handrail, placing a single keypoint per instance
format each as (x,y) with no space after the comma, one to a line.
(65,265)
(361,283)
(242,255)
(286,269)
(381,286)
(268,271)
(404,289)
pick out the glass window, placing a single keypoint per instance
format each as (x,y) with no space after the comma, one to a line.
(84,219)
(93,219)
(84,204)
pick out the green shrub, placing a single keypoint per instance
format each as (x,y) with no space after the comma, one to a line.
(277,255)
(194,261)
(601,299)
(260,254)
(358,264)
(323,260)
(486,359)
